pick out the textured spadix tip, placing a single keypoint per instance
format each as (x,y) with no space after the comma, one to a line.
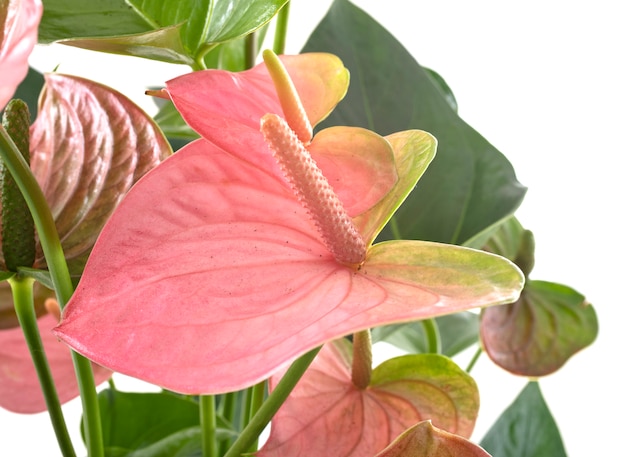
(314,192)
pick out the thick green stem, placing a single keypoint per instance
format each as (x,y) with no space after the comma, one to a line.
(269,408)
(55,259)
(251,49)
(361,359)
(256,395)
(433,338)
(280,33)
(208,424)
(22,289)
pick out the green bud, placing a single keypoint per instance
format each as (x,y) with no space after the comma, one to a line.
(18,228)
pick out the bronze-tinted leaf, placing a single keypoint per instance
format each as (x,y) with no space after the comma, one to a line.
(537,334)
(89,145)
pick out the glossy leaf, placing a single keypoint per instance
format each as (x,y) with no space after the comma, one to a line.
(151,424)
(457,331)
(89,145)
(513,241)
(327,411)
(526,428)
(172,31)
(537,334)
(210,276)
(20,391)
(470,185)
(19,21)
(425,440)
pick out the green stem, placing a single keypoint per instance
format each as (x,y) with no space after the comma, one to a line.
(208,424)
(280,33)
(256,395)
(55,259)
(395,229)
(22,289)
(269,408)
(362,359)
(251,48)
(433,338)
(472,362)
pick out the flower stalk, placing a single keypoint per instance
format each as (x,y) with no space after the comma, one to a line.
(59,273)
(362,359)
(22,289)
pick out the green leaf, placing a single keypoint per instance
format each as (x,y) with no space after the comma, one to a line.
(525,429)
(470,185)
(536,335)
(177,31)
(42,276)
(515,243)
(457,331)
(135,420)
(64,19)
(29,90)
(434,385)
(172,124)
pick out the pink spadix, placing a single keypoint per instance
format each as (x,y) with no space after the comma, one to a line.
(314,192)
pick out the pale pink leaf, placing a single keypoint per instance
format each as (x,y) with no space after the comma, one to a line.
(426,440)
(20,391)
(89,145)
(210,276)
(19,21)
(326,411)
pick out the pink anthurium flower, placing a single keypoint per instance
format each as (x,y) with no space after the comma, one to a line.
(89,145)
(19,21)
(225,263)
(328,410)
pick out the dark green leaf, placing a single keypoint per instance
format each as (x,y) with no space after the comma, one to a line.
(525,429)
(29,90)
(172,124)
(515,243)
(469,186)
(64,19)
(177,31)
(536,335)
(132,421)
(457,331)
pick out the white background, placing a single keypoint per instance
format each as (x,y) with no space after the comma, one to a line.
(544,83)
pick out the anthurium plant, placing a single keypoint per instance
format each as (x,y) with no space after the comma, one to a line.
(246,248)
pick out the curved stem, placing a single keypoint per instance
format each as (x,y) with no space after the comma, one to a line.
(433,338)
(472,362)
(208,424)
(55,259)
(274,401)
(22,289)
(280,33)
